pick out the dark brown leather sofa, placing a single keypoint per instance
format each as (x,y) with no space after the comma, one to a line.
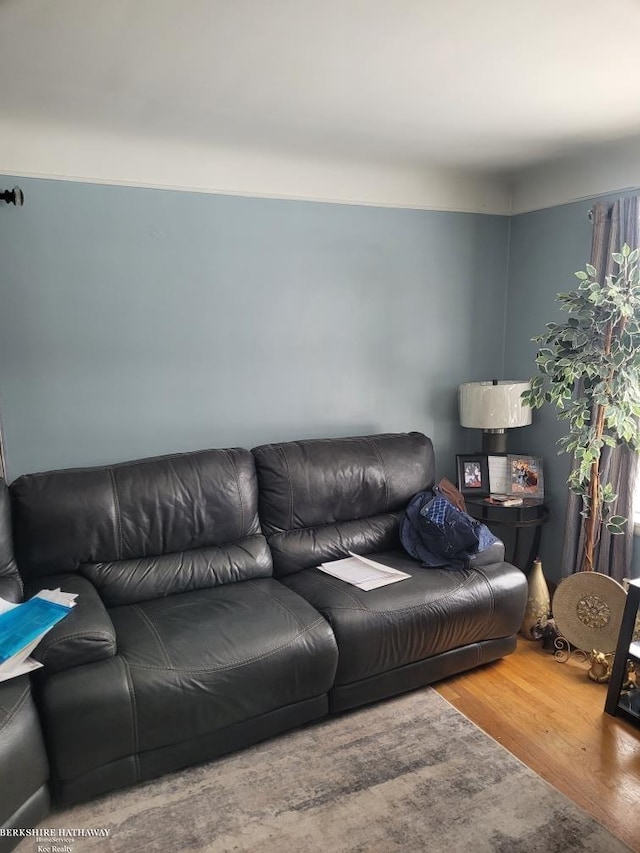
(202,625)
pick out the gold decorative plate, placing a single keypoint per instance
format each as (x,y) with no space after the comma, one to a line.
(587,608)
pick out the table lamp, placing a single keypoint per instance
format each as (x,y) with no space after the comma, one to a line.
(493,407)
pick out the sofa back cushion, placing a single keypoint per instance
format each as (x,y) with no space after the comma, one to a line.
(322,498)
(144,529)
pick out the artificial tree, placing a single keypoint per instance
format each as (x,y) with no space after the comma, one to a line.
(589,368)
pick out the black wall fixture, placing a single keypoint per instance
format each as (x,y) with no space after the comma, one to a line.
(14,196)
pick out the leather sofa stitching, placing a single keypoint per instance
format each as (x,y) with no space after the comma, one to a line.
(290,483)
(93,635)
(272,598)
(378,453)
(211,670)
(89,635)
(11,713)
(490,588)
(154,631)
(237,479)
(116,504)
(134,717)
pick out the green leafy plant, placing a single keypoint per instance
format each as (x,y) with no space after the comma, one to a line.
(589,368)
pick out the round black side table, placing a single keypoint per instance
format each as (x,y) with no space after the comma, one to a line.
(519,527)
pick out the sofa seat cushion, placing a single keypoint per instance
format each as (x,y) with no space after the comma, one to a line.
(204,660)
(433,611)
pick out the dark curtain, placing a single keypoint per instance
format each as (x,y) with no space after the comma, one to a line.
(613,226)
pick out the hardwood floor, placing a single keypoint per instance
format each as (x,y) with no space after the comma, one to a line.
(550,715)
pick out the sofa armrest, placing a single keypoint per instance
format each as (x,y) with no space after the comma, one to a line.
(84,636)
(10,590)
(493,554)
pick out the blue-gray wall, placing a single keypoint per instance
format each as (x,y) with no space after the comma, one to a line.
(137,321)
(546,248)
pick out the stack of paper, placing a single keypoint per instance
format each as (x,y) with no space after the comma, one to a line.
(22,626)
(361,572)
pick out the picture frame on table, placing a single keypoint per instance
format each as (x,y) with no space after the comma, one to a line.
(472,474)
(525,476)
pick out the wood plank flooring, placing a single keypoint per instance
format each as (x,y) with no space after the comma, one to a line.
(550,715)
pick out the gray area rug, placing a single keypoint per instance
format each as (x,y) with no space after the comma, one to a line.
(408,774)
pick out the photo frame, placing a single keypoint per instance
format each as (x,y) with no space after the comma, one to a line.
(498,474)
(525,476)
(473,474)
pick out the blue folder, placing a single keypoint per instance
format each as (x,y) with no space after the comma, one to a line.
(25,623)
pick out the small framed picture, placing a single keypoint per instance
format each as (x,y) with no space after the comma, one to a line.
(525,476)
(473,474)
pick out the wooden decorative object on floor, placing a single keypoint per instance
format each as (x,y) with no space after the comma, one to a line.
(538,603)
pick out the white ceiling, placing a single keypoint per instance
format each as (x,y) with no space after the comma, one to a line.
(491,85)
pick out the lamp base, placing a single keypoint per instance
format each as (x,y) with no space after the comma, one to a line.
(494,441)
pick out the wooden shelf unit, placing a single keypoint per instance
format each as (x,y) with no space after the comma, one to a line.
(621,701)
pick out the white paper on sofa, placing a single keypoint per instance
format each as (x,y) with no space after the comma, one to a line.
(27,665)
(362,572)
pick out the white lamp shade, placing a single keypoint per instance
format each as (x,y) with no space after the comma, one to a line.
(484,405)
